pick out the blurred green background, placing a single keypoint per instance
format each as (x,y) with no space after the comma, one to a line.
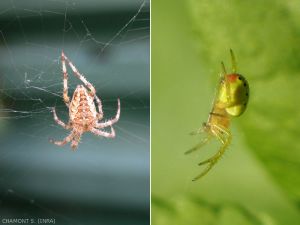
(257,180)
(106,181)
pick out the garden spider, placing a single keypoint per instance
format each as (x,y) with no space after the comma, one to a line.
(230,101)
(83,116)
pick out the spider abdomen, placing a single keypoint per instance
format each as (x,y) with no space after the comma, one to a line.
(238,92)
(82,108)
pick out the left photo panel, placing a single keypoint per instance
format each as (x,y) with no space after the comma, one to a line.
(75,112)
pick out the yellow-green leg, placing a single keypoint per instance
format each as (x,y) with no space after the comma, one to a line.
(225,138)
(203,142)
(233,61)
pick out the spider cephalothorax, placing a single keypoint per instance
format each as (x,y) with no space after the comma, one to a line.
(83,116)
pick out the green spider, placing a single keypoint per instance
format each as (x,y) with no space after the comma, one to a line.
(230,101)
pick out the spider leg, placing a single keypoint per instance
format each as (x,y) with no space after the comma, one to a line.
(64,141)
(58,121)
(111,121)
(103,133)
(234,66)
(219,135)
(203,142)
(81,77)
(225,137)
(205,128)
(217,155)
(65,73)
(100,111)
(200,130)
(223,73)
(75,142)
(223,130)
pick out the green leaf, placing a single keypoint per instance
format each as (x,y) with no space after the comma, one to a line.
(194,211)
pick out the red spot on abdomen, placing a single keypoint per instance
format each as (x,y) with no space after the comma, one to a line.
(232,77)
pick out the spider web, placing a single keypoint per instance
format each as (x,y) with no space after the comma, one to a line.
(104,181)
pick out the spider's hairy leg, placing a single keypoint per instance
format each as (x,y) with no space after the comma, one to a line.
(57,120)
(100,111)
(65,74)
(200,130)
(205,128)
(64,141)
(74,145)
(75,141)
(233,61)
(202,143)
(111,121)
(225,137)
(104,133)
(223,73)
(81,77)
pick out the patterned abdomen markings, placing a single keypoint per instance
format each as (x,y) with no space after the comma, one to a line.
(82,110)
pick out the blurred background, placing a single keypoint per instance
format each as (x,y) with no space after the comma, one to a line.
(257,180)
(106,181)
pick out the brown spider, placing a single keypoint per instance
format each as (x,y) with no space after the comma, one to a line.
(83,116)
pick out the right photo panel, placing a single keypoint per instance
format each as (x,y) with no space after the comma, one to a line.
(225,114)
